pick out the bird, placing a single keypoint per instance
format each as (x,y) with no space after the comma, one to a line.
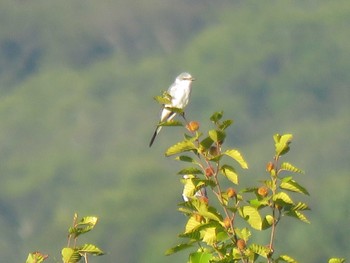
(180,92)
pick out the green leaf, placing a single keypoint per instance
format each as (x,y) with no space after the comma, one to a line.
(36,257)
(185,158)
(206,143)
(171,123)
(282,143)
(164,99)
(260,250)
(289,184)
(180,147)
(243,233)
(286,258)
(70,255)
(282,198)
(216,116)
(336,260)
(289,167)
(252,216)
(91,249)
(298,215)
(209,236)
(177,248)
(85,225)
(190,170)
(217,136)
(267,222)
(236,155)
(200,257)
(230,173)
(225,124)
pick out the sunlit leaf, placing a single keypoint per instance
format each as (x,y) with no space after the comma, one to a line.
(206,143)
(289,167)
(178,248)
(36,257)
(267,222)
(217,136)
(230,173)
(260,250)
(252,216)
(289,184)
(180,147)
(91,249)
(298,215)
(286,258)
(282,143)
(209,236)
(70,255)
(164,99)
(336,260)
(200,257)
(236,155)
(282,198)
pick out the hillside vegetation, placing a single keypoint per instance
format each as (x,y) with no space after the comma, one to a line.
(76,85)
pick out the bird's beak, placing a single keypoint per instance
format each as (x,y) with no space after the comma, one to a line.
(192,79)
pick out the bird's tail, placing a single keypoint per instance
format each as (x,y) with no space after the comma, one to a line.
(155,135)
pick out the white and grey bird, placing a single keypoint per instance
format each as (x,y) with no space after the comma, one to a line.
(180,92)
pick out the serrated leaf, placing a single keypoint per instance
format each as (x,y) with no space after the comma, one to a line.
(36,257)
(298,215)
(259,250)
(185,158)
(180,147)
(85,225)
(291,168)
(91,249)
(177,248)
(191,224)
(286,258)
(252,216)
(243,233)
(190,170)
(200,257)
(289,184)
(267,222)
(230,173)
(173,123)
(70,255)
(209,236)
(336,260)
(282,143)
(216,116)
(282,199)
(225,124)
(217,136)
(237,156)
(300,207)
(206,143)
(164,99)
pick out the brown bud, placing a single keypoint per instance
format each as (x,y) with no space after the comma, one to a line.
(263,191)
(209,171)
(241,244)
(227,222)
(231,192)
(198,217)
(269,166)
(192,126)
(204,199)
(214,150)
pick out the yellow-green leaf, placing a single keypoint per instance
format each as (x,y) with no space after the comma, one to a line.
(289,184)
(288,259)
(70,255)
(230,173)
(282,143)
(252,216)
(336,260)
(291,168)
(180,147)
(177,248)
(237,156)
(209,236)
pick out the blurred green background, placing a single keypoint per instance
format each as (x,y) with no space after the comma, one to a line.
(76,115)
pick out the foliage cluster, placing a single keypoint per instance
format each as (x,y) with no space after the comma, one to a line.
(73,252)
